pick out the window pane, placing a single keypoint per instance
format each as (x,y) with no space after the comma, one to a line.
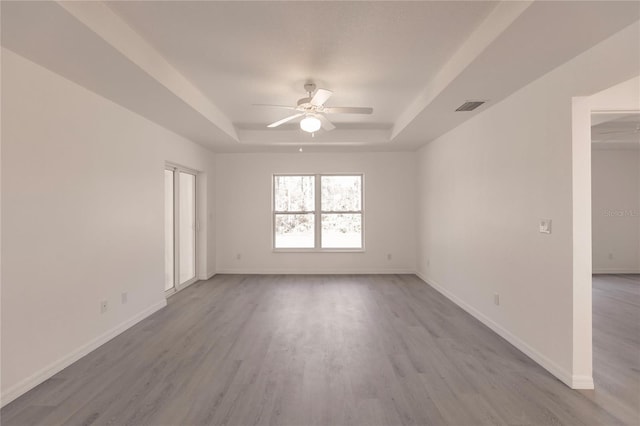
(187,227)
(294,193)
(341,231)
(341,193)
(295,230)
(168,229)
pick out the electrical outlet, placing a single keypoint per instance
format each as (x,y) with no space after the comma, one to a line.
(238,256)
(104,306)
(610,256)
(544,226)
(496,299)
(389,256)
(124,297)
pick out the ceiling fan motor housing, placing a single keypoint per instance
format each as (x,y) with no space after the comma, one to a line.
(304,104)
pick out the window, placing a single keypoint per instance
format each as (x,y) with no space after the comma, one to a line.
(317,212)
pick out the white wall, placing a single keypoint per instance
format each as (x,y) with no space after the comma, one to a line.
(244,222)
(616,210)
(483,188)
(82,219)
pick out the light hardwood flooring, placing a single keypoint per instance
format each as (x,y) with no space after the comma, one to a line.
(616,344)
(334,350)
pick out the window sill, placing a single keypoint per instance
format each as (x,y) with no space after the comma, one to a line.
(313,250)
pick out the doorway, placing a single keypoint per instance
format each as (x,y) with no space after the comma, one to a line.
(615,200)
(615,192)
(623,97)
(180,228)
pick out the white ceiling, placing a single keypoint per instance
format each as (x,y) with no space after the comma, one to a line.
(197,67)
(370,54)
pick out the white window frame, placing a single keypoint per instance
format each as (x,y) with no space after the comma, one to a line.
(318,212)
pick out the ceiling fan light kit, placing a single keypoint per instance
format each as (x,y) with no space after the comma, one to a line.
(310,124)
(312,109)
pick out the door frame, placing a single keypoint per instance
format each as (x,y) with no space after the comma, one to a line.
(620,97)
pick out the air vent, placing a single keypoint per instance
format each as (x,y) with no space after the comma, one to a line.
(469,105)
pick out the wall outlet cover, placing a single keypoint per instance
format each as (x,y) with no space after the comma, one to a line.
(545,226)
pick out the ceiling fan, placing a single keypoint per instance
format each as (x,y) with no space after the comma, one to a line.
(313,110)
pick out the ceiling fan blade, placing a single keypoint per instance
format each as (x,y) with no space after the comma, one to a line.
(348,110)
(321,97)
(326,124)
(284,120)
(274,106)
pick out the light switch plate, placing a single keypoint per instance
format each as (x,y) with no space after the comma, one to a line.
(545,226)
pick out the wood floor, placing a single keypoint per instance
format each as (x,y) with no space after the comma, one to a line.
(616,343)
(334,350)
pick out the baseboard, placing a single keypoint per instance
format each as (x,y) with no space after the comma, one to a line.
(206,276)
(575,382)
(315,271)
(40,376)
(582,382)
(615,271)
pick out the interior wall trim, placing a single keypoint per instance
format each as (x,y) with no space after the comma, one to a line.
(616,271)
(207,276)
(55,367)
(574,382)
(324,271)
